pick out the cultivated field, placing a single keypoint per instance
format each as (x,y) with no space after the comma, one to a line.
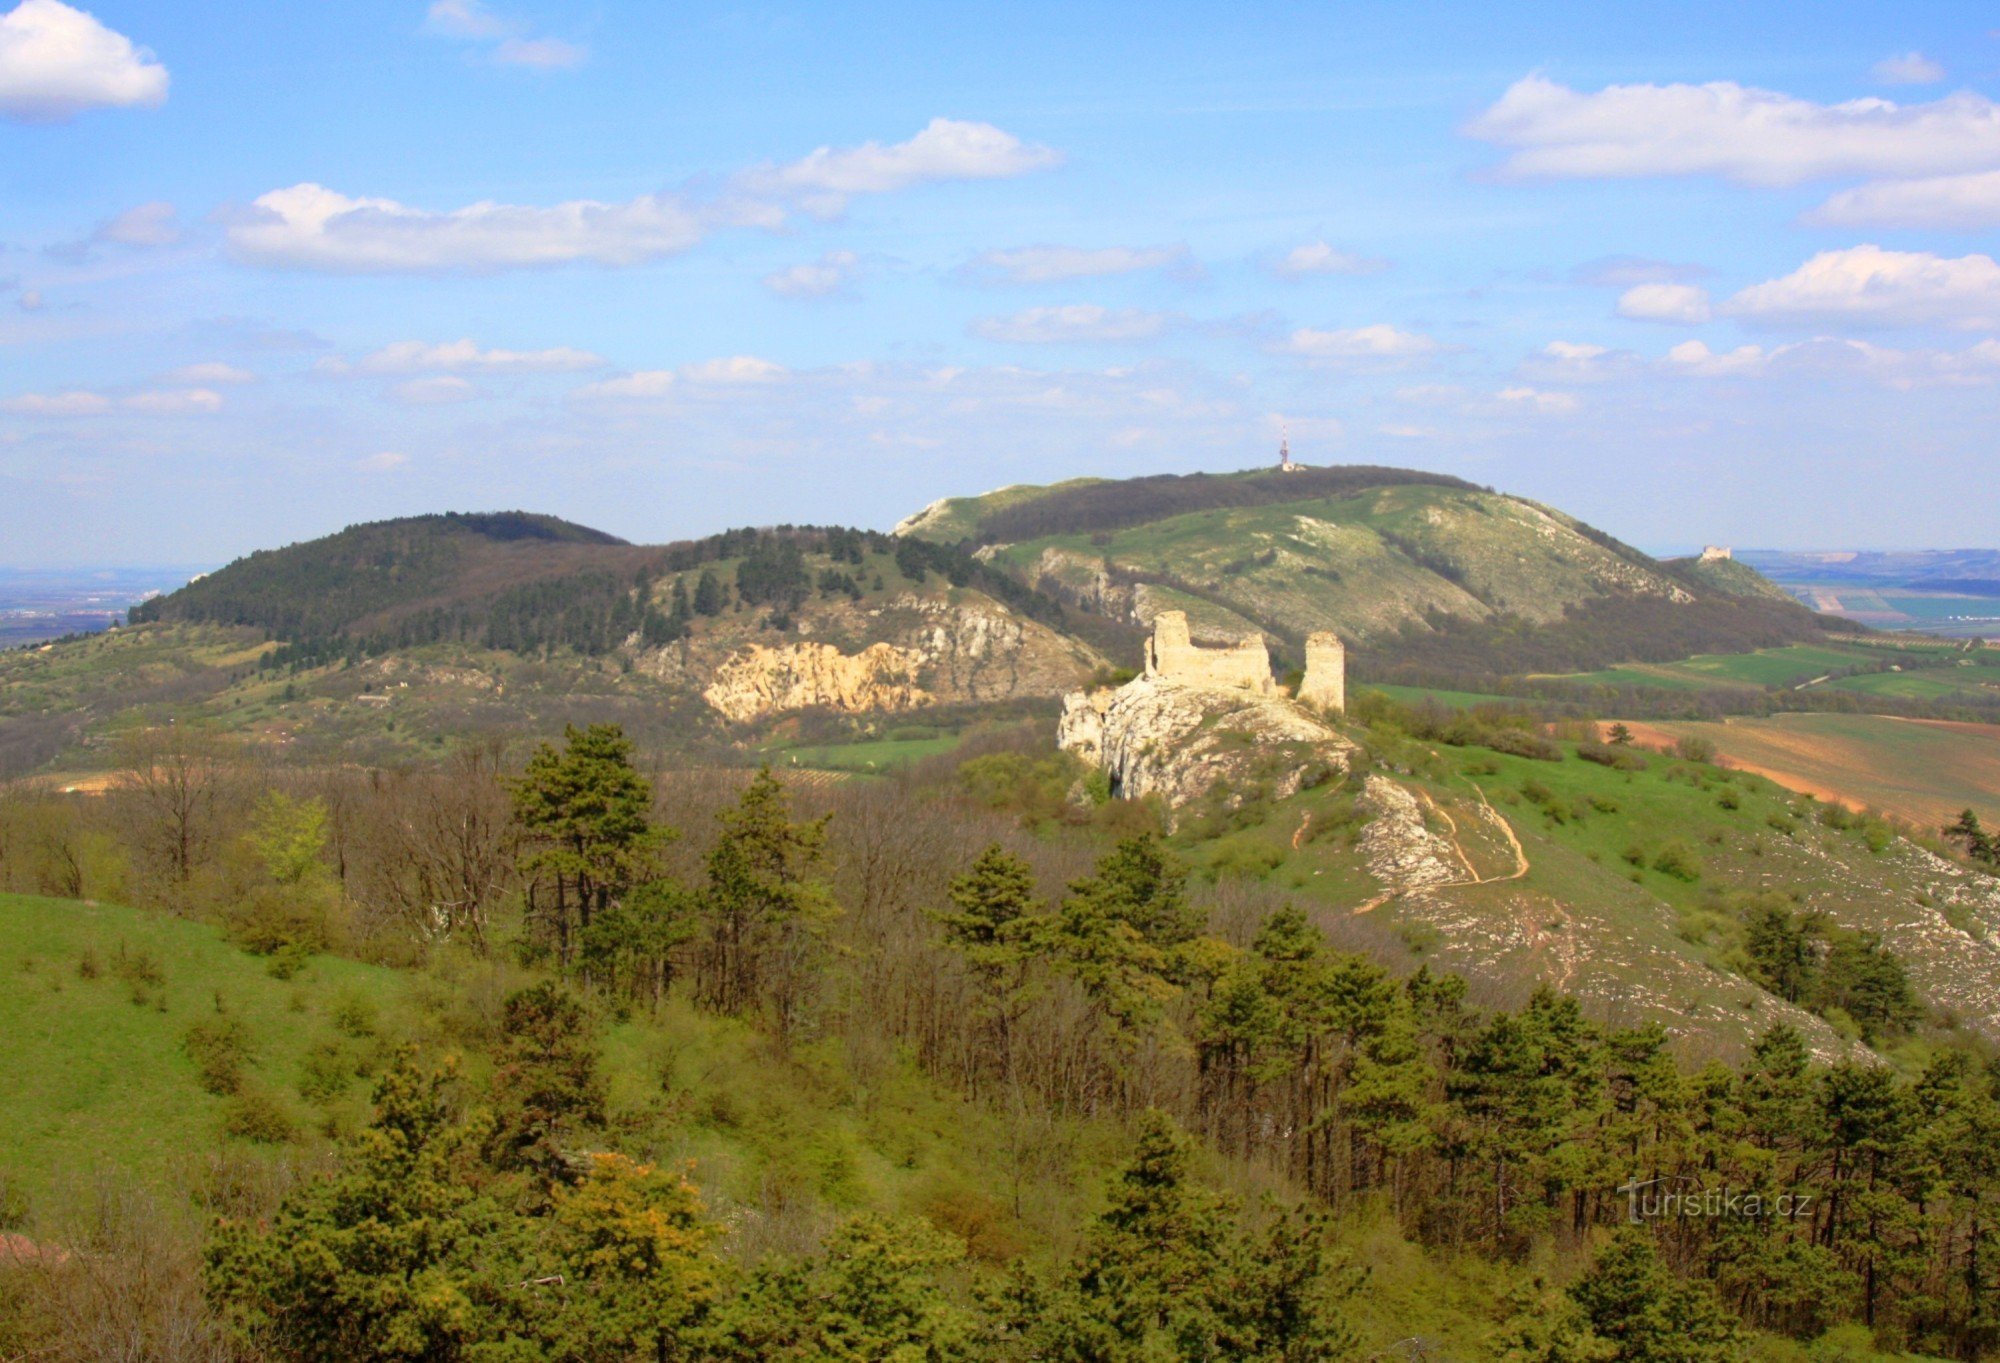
(1923,770)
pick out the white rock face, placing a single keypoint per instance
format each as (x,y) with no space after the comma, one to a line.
(759,680)
(1155,736)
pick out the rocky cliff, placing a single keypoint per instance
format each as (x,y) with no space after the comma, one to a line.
(1155,736)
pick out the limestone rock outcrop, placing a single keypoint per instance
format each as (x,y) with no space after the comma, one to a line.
(758,680)
(1154,736)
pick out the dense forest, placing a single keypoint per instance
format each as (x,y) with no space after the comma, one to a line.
(965,931)
(530,585)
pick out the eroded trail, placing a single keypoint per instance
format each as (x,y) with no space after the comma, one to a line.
(1472,876)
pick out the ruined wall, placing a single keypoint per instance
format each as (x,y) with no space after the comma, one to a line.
(1172,656)
(1325,684)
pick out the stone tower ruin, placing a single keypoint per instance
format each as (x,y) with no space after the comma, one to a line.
(1172,656)
(1325,684)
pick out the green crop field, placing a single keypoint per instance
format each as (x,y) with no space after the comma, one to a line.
(1764,668)
(1930,683)
(869,755)
(1463,700)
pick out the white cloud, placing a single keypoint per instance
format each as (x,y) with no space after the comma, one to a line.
(30,300)
(83,402)
(946,149)
(74,403)
(465,19)
(509,43)
(148,224)
(1317,257)
(1053,264)
(1538,400)
(175,402)
(815,278)
(1694,357)
(311,227)
(385,461)
(541,54)
(1578,362)
(733,369)
(1821,359)
(211,374)
(1908,68)
(417,357)
(1684,303)
(439,390)
(1967,203)
(1752,136)
(56,62)
(646,385)
(1869,286)
(1380,342)
(1073,322)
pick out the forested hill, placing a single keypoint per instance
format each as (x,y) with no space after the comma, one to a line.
(367,572)
(526,583)
(1411,569)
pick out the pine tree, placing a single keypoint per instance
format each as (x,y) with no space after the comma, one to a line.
(708,596)
(586,817)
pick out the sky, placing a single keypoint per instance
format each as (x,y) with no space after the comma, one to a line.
(1696,273)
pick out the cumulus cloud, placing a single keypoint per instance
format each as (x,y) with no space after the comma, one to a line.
(1694,357)
(1847,358)
(946,149)
(1966,203)
(1054,264)
(79,402)
(212,373)
(1578,362)
(311,227)
(1073,322)
(417,357)
(1869,286)
(829,274)
(504,42)
(1908,68)
(1683,303)
(644,386)
(147,224)
(56,62)
(175,402)
(1752,136)
(74,403)
(733,369)
(438,390)
(1378,343)
(1537,400)
(1317,257)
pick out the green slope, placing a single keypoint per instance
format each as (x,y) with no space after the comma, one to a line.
(98,1004)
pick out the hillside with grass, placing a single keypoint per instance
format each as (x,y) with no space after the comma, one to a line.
(1412,569)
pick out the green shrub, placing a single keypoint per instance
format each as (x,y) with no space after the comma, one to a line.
(255,1115)
(220,1048)
(1692,749)
(1678,860)
(1607,755)
(354,1015)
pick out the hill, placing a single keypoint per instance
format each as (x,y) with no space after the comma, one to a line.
(1412,569)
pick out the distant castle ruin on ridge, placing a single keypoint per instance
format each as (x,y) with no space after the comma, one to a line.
(1172,655)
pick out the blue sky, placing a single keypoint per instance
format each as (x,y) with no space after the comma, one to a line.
(1696,273)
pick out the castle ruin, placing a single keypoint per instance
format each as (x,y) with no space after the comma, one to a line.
(1325,684)
(1171,655)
